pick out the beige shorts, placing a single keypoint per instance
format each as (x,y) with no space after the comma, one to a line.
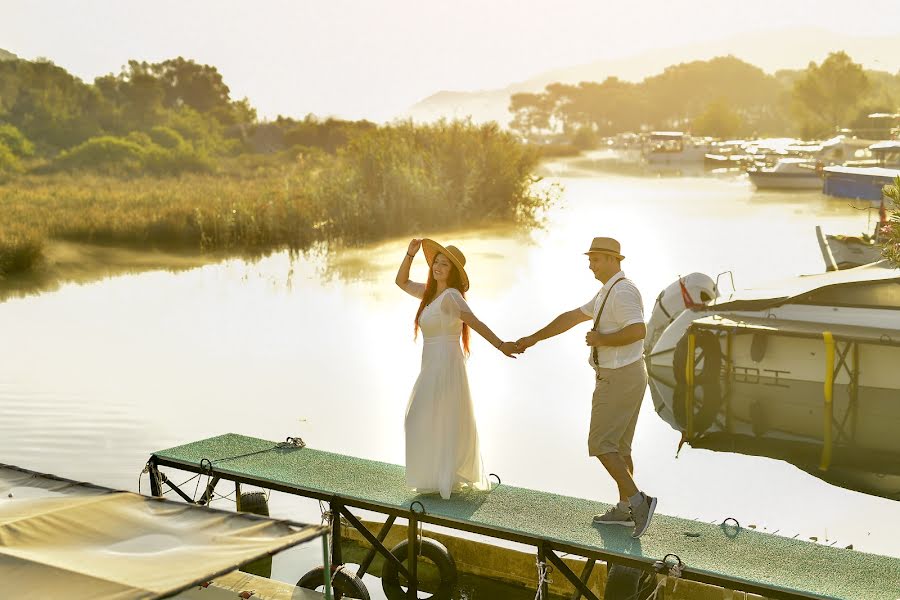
(616,405)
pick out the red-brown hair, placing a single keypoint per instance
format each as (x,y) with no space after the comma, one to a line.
(453,281)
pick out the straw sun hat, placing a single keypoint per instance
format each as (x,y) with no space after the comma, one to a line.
(431,249)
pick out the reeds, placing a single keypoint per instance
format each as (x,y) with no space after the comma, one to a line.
(390,181)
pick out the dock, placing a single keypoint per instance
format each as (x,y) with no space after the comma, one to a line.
(726,555)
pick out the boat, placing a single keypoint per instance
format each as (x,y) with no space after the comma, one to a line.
(673,148)
(788,173)
(809,361)
(865,180)
(858,183)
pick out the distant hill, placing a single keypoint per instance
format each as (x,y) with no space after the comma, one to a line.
(4,55)
(769,50)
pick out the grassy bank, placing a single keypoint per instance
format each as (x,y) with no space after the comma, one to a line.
(391,181)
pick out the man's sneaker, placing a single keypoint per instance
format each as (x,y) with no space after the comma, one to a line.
(642,514)
(616,515)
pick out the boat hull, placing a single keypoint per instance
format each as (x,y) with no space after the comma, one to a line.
(781,181)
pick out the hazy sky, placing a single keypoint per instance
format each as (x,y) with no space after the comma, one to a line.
(376,58)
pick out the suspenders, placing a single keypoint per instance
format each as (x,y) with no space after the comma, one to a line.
(597,320)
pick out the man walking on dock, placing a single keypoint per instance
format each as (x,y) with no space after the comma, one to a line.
(616,347)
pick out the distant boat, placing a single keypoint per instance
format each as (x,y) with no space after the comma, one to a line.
(847,251)
(674,147)
(864,180)
(788,173)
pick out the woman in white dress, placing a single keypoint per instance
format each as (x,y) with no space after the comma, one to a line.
(442,453)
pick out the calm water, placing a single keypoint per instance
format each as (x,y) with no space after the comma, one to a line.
(93,378)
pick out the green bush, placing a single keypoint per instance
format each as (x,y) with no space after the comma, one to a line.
(401,178)
(166,137)
(890,233)
(106,154)
(9,162)
(17,143)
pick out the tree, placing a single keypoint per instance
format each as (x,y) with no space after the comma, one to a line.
(827,94)
(718,120)
(531,114)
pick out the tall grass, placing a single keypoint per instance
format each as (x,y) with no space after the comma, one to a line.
(390,181)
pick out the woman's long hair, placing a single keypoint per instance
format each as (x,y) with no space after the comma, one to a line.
(453,281)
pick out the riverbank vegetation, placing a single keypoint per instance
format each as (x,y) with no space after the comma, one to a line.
(384,182)
(161,157)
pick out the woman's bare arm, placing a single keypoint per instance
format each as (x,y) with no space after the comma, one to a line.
(507,348)
(402,280)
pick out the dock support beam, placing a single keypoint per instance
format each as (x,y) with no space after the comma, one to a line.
(413,554)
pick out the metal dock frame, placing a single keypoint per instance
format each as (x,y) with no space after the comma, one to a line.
(548,550)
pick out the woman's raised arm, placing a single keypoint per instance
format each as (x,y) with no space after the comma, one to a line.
(402,280)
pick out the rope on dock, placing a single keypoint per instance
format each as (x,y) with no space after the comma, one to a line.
(667,569)
(544,571)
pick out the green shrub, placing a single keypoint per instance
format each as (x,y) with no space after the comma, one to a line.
(17,143)
(166,137)
(9,162)
(106,154)
(890,233)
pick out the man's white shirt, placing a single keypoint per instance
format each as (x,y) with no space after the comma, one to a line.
(624,307)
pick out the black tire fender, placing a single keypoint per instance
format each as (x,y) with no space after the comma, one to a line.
(343,583)
(431,549)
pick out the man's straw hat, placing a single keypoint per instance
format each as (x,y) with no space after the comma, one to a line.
(605,245)
(431,249)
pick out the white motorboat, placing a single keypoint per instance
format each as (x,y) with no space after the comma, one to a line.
(812,360)
(788,173)
(674,148)
(847,251)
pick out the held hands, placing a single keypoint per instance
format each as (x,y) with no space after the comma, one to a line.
(525,343)
(414,246)
(509,349)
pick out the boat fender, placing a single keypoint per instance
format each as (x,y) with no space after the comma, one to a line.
(344,583)
(256,503)
(434,551)
(758,346)
(707,343)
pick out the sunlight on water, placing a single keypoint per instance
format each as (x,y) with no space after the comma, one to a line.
(95,377)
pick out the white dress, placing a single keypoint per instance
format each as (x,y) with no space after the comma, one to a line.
(442,452)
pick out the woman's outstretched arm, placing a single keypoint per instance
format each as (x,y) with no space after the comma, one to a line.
(507,348)
(402,280)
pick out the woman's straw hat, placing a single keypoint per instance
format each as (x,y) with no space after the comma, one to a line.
(605,245)
(431,249)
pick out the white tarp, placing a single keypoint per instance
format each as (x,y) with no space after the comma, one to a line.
(68,540)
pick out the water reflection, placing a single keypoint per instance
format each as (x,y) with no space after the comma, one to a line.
(782,419)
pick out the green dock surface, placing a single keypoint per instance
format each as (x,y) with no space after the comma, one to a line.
(737,554)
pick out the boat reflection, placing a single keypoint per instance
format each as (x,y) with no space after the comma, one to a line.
(770,416)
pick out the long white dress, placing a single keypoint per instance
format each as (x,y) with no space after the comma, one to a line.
(442,451)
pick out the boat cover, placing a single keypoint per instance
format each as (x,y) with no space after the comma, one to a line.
(64,539)
(780,292)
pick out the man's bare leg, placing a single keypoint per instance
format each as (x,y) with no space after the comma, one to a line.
(620,471)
